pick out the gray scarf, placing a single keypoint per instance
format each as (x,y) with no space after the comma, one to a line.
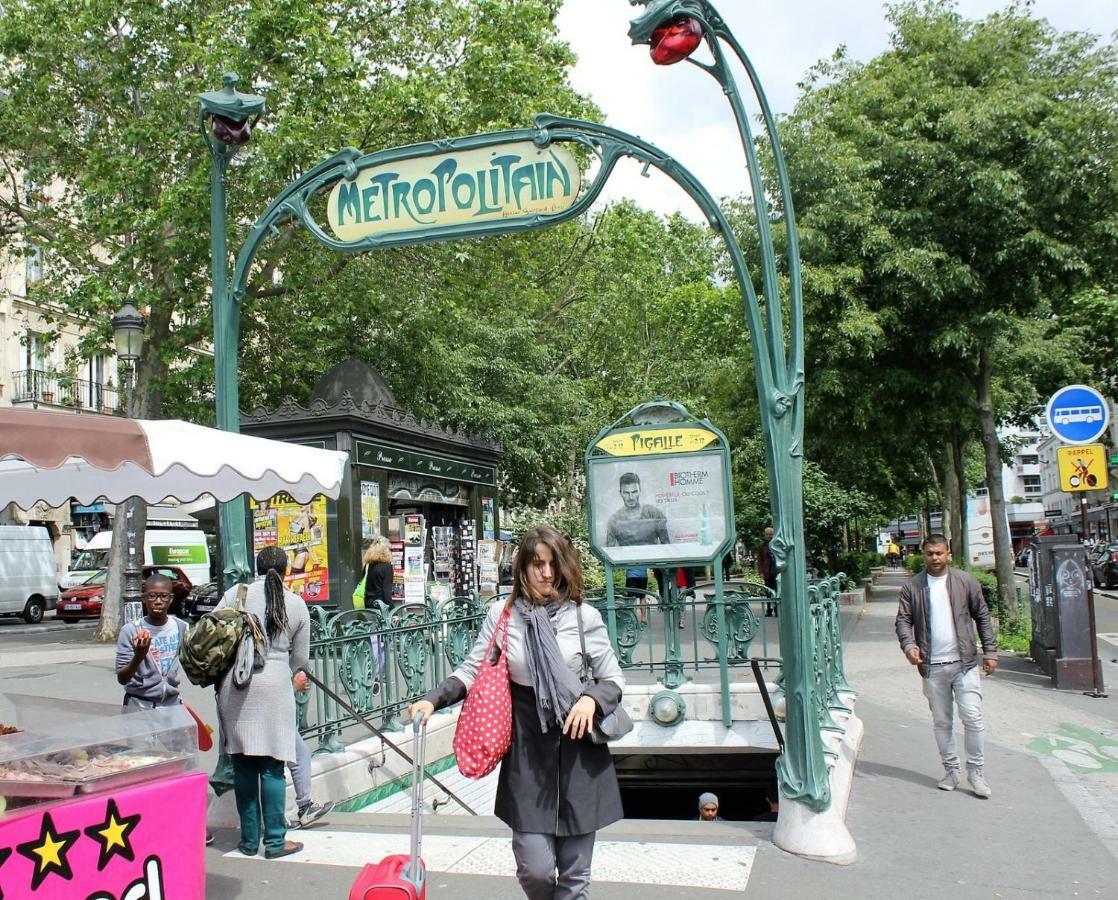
(557,687)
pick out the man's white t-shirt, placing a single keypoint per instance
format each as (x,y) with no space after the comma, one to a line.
(945,643)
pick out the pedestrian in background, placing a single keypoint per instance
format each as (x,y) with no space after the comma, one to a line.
(766,568)
(708,808)
(936,618)
(378,575)
(147,650)
(258,721)
(307,812)
(556,787)
(893,554)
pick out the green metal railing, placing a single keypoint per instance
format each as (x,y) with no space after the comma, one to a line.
(383,661)
(675,633)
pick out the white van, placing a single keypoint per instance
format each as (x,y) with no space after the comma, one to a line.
(185,548)
(28,574)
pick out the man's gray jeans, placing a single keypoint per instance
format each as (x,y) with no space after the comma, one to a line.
(945,687)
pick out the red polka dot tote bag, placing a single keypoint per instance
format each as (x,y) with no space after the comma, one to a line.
(484,731)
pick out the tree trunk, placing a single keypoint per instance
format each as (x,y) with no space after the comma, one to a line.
(954,501)
(958,460)
(991,448)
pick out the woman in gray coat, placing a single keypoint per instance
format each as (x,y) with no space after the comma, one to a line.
(556,788)
(258,721)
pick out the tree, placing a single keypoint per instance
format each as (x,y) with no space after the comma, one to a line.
(978,199)
(105,171)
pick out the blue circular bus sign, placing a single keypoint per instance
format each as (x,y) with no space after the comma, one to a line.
(1077,414)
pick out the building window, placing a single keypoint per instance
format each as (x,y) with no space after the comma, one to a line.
(1032,485)
(33,265)
(1028,459)
(95,381)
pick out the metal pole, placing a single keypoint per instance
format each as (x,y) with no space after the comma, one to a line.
(132,607)
(232,514)
(1096,665)
(723,647)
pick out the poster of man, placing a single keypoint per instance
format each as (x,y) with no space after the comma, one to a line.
(300,529)
(635,522)
(658,509)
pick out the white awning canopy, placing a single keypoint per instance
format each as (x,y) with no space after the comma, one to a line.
(54,457)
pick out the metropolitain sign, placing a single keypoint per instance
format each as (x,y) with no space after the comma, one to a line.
(506,183)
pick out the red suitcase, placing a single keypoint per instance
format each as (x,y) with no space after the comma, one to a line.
(400,877)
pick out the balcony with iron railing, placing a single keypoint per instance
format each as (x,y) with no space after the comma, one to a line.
(41,387)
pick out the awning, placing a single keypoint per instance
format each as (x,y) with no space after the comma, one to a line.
(53,457)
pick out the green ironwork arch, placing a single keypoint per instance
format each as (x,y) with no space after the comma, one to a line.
(779,378)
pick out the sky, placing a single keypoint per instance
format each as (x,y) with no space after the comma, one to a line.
(681,109)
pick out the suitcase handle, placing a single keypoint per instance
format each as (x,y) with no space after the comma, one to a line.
(415,873)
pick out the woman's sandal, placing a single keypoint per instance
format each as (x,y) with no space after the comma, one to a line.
(286,850)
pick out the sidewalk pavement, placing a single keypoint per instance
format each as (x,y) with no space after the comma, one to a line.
(1048,831)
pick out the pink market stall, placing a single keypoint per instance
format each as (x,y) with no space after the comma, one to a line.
(99,801)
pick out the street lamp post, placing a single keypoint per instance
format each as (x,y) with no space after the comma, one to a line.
(128,336)
(674,30)
(228,112)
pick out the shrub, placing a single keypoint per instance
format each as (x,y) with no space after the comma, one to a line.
(854,565)
(1016,633)
(914,562)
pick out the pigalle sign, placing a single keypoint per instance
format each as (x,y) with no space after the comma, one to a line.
(510,183)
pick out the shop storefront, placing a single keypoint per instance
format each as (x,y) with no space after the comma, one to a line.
(430,491)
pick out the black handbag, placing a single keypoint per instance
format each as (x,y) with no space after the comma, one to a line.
(618,723)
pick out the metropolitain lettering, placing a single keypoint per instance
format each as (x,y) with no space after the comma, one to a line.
(507,182)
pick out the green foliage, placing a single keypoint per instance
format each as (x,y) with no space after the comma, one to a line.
(110,126)
(571,520)
(957,206)
(914,563)
(856,565)
(1016,632)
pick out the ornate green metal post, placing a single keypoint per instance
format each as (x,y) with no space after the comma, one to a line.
(228,110)
(674,29)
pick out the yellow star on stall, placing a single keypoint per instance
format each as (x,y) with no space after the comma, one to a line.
(48,852)
(112,835)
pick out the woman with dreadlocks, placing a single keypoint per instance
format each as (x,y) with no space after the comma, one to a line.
(258,721)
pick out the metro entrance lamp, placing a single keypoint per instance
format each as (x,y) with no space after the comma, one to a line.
(231,116)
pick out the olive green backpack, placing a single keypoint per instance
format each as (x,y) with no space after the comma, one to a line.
(210,647)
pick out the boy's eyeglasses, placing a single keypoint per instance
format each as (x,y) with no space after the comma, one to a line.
(158,596)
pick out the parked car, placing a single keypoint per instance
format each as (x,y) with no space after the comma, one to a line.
(84,601)
(201,600)
(1104,564)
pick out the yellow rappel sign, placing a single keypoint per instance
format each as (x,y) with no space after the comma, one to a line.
(1083,468)
(642,442)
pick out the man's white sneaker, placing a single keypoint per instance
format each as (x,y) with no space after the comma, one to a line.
(979,786)
(949,782)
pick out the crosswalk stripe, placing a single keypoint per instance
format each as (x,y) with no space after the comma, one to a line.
(707,866)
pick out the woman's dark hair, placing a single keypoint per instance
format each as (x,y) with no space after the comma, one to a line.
(568,564)
(271,562)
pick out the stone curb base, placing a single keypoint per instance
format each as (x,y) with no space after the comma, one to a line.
(823,835)
(353,777)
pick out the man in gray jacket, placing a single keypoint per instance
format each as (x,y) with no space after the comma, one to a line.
(936,620)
